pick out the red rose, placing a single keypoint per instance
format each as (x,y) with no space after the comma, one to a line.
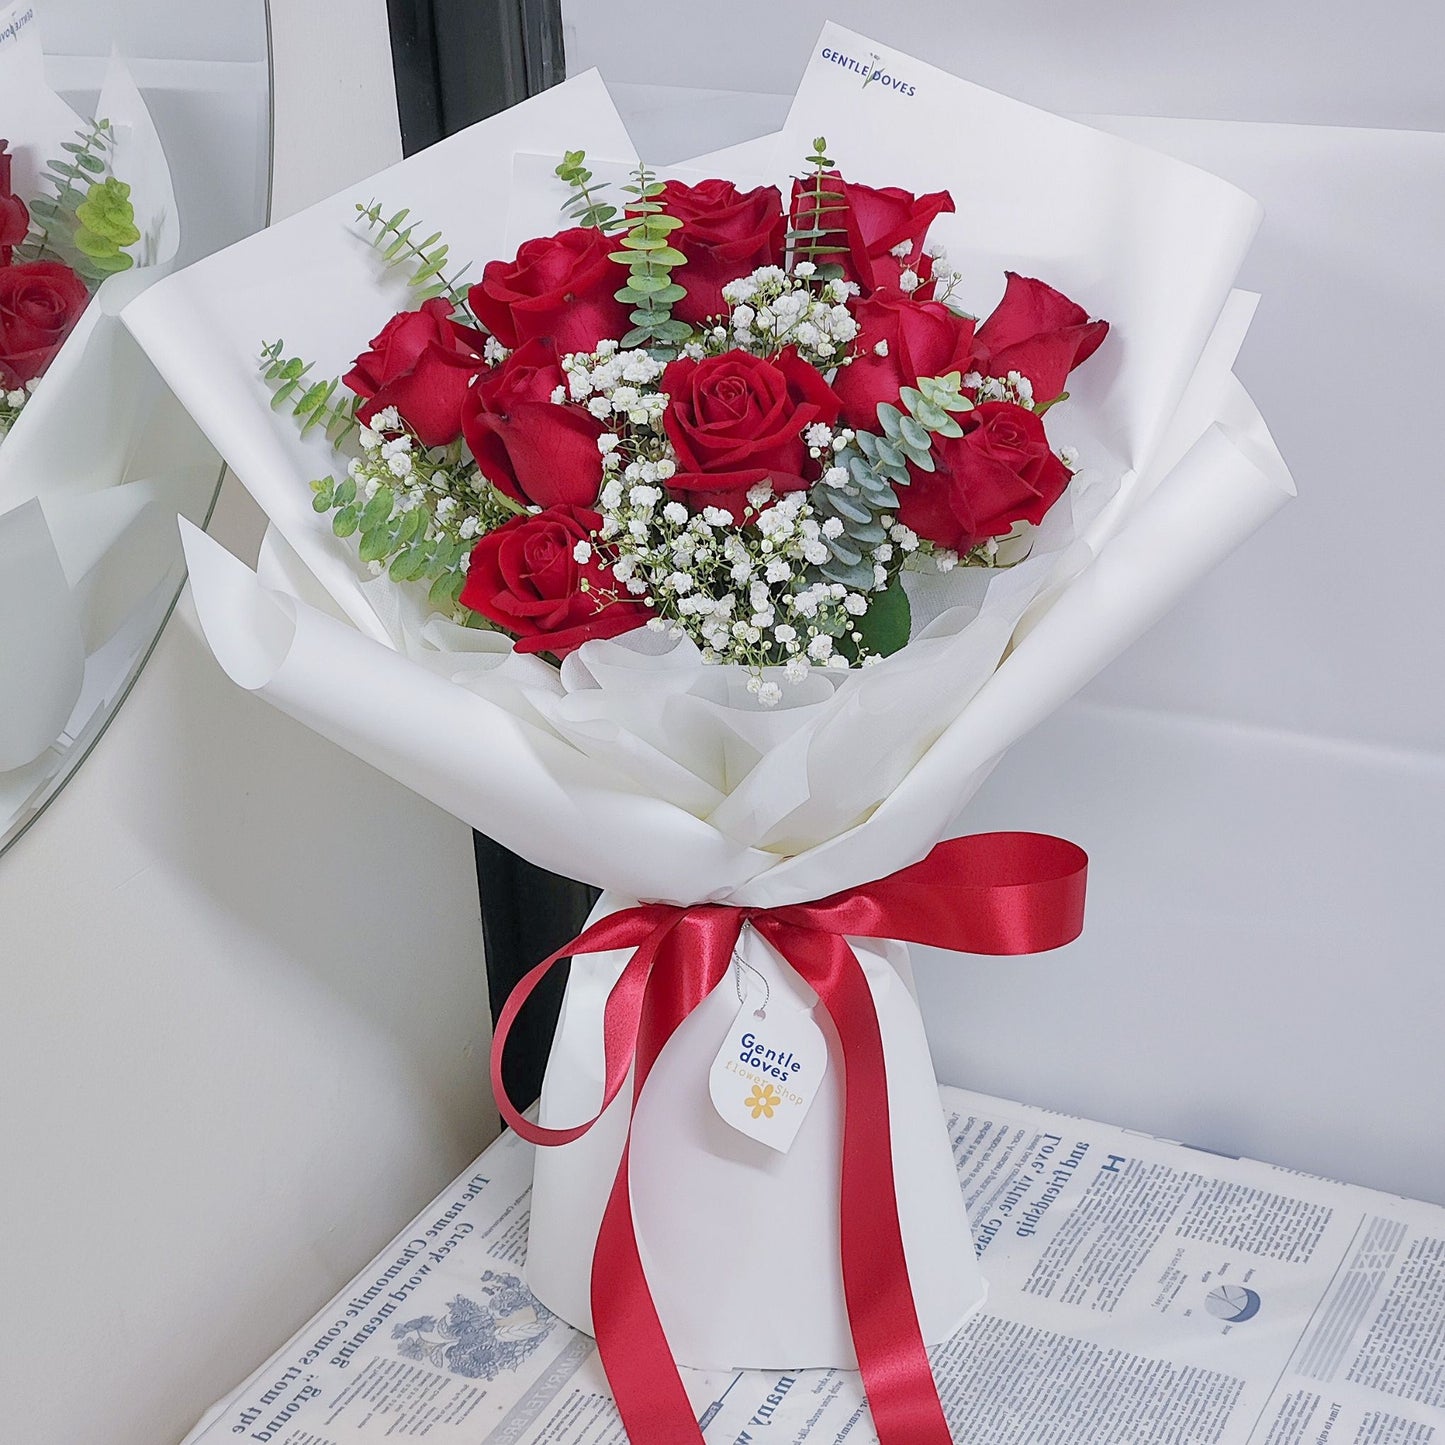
(736,420)
(40,301)
(14,218)
(999,472)
(874,222)
(421,363)
(1039,332)
(725,233)
(525,577)
(561,286)
(919,338)
(532,448)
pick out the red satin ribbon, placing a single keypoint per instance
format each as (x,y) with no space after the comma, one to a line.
(993,893)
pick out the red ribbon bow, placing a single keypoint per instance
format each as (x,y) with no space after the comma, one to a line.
(993,893)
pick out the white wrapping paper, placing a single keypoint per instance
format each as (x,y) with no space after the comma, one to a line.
(640,769)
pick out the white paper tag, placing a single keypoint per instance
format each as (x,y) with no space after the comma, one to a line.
(769,1069)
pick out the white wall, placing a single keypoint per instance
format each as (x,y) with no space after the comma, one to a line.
(1330,62)
(243,981)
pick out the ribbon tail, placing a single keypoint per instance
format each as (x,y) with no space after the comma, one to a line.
(882,1315)
(635,1354)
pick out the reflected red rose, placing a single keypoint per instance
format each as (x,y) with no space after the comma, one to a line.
(919,338)
(561,287)
(726,233)
(874,222)
(40,302)
(1038,332)
(534,449)
(526,577)
(1001,471)
(14,217)
(422,363)
(736,420)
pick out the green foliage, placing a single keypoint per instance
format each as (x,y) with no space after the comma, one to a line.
(884,627)
(651,260)
(88,221)
(107,224)
(427,257)
(877,464)
(585,207)
(398,540)
(324,404)
(812,232)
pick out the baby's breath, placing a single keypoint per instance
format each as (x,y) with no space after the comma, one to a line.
(773,309)
(11,403)
(745,590)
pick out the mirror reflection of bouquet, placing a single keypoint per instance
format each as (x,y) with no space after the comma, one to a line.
(56,248)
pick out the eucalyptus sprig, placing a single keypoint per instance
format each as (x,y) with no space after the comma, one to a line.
(877,464)
(818,237)
(651,260)
(107,225)
(427,257)
(422,528)
(89,221)
(313,404)
(585,207)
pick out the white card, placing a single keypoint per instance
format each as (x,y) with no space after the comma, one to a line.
(768,1071)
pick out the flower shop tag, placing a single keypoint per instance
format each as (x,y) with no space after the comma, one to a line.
(768,1071)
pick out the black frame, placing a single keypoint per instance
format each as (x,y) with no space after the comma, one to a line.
(457,62)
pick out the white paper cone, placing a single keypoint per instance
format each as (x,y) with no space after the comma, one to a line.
(740,1243)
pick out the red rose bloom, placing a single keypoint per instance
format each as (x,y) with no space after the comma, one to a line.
(1039,332)
(561,286)
(873,222)
(534,449)
(40,301)
(919,338)
(14,218)
(725,233)
(525,577)
(736,420)
(422,363)
(999,472)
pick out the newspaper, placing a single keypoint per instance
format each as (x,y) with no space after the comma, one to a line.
(1140,1293)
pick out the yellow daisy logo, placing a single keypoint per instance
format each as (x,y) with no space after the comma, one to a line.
(762,1101)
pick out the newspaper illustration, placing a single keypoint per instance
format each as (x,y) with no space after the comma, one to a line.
(1140,1293)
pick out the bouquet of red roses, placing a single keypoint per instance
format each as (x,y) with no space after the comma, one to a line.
(705,547)
(41,299)
(699,413)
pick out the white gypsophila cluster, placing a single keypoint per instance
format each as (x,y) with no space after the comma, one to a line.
(615,385)
(11,403)
(772,308)
(1014,387)
(943,278)
(746,594)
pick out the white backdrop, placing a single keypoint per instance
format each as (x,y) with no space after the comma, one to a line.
(1261,780)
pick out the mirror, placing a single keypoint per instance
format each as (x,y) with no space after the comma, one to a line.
(139,139)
